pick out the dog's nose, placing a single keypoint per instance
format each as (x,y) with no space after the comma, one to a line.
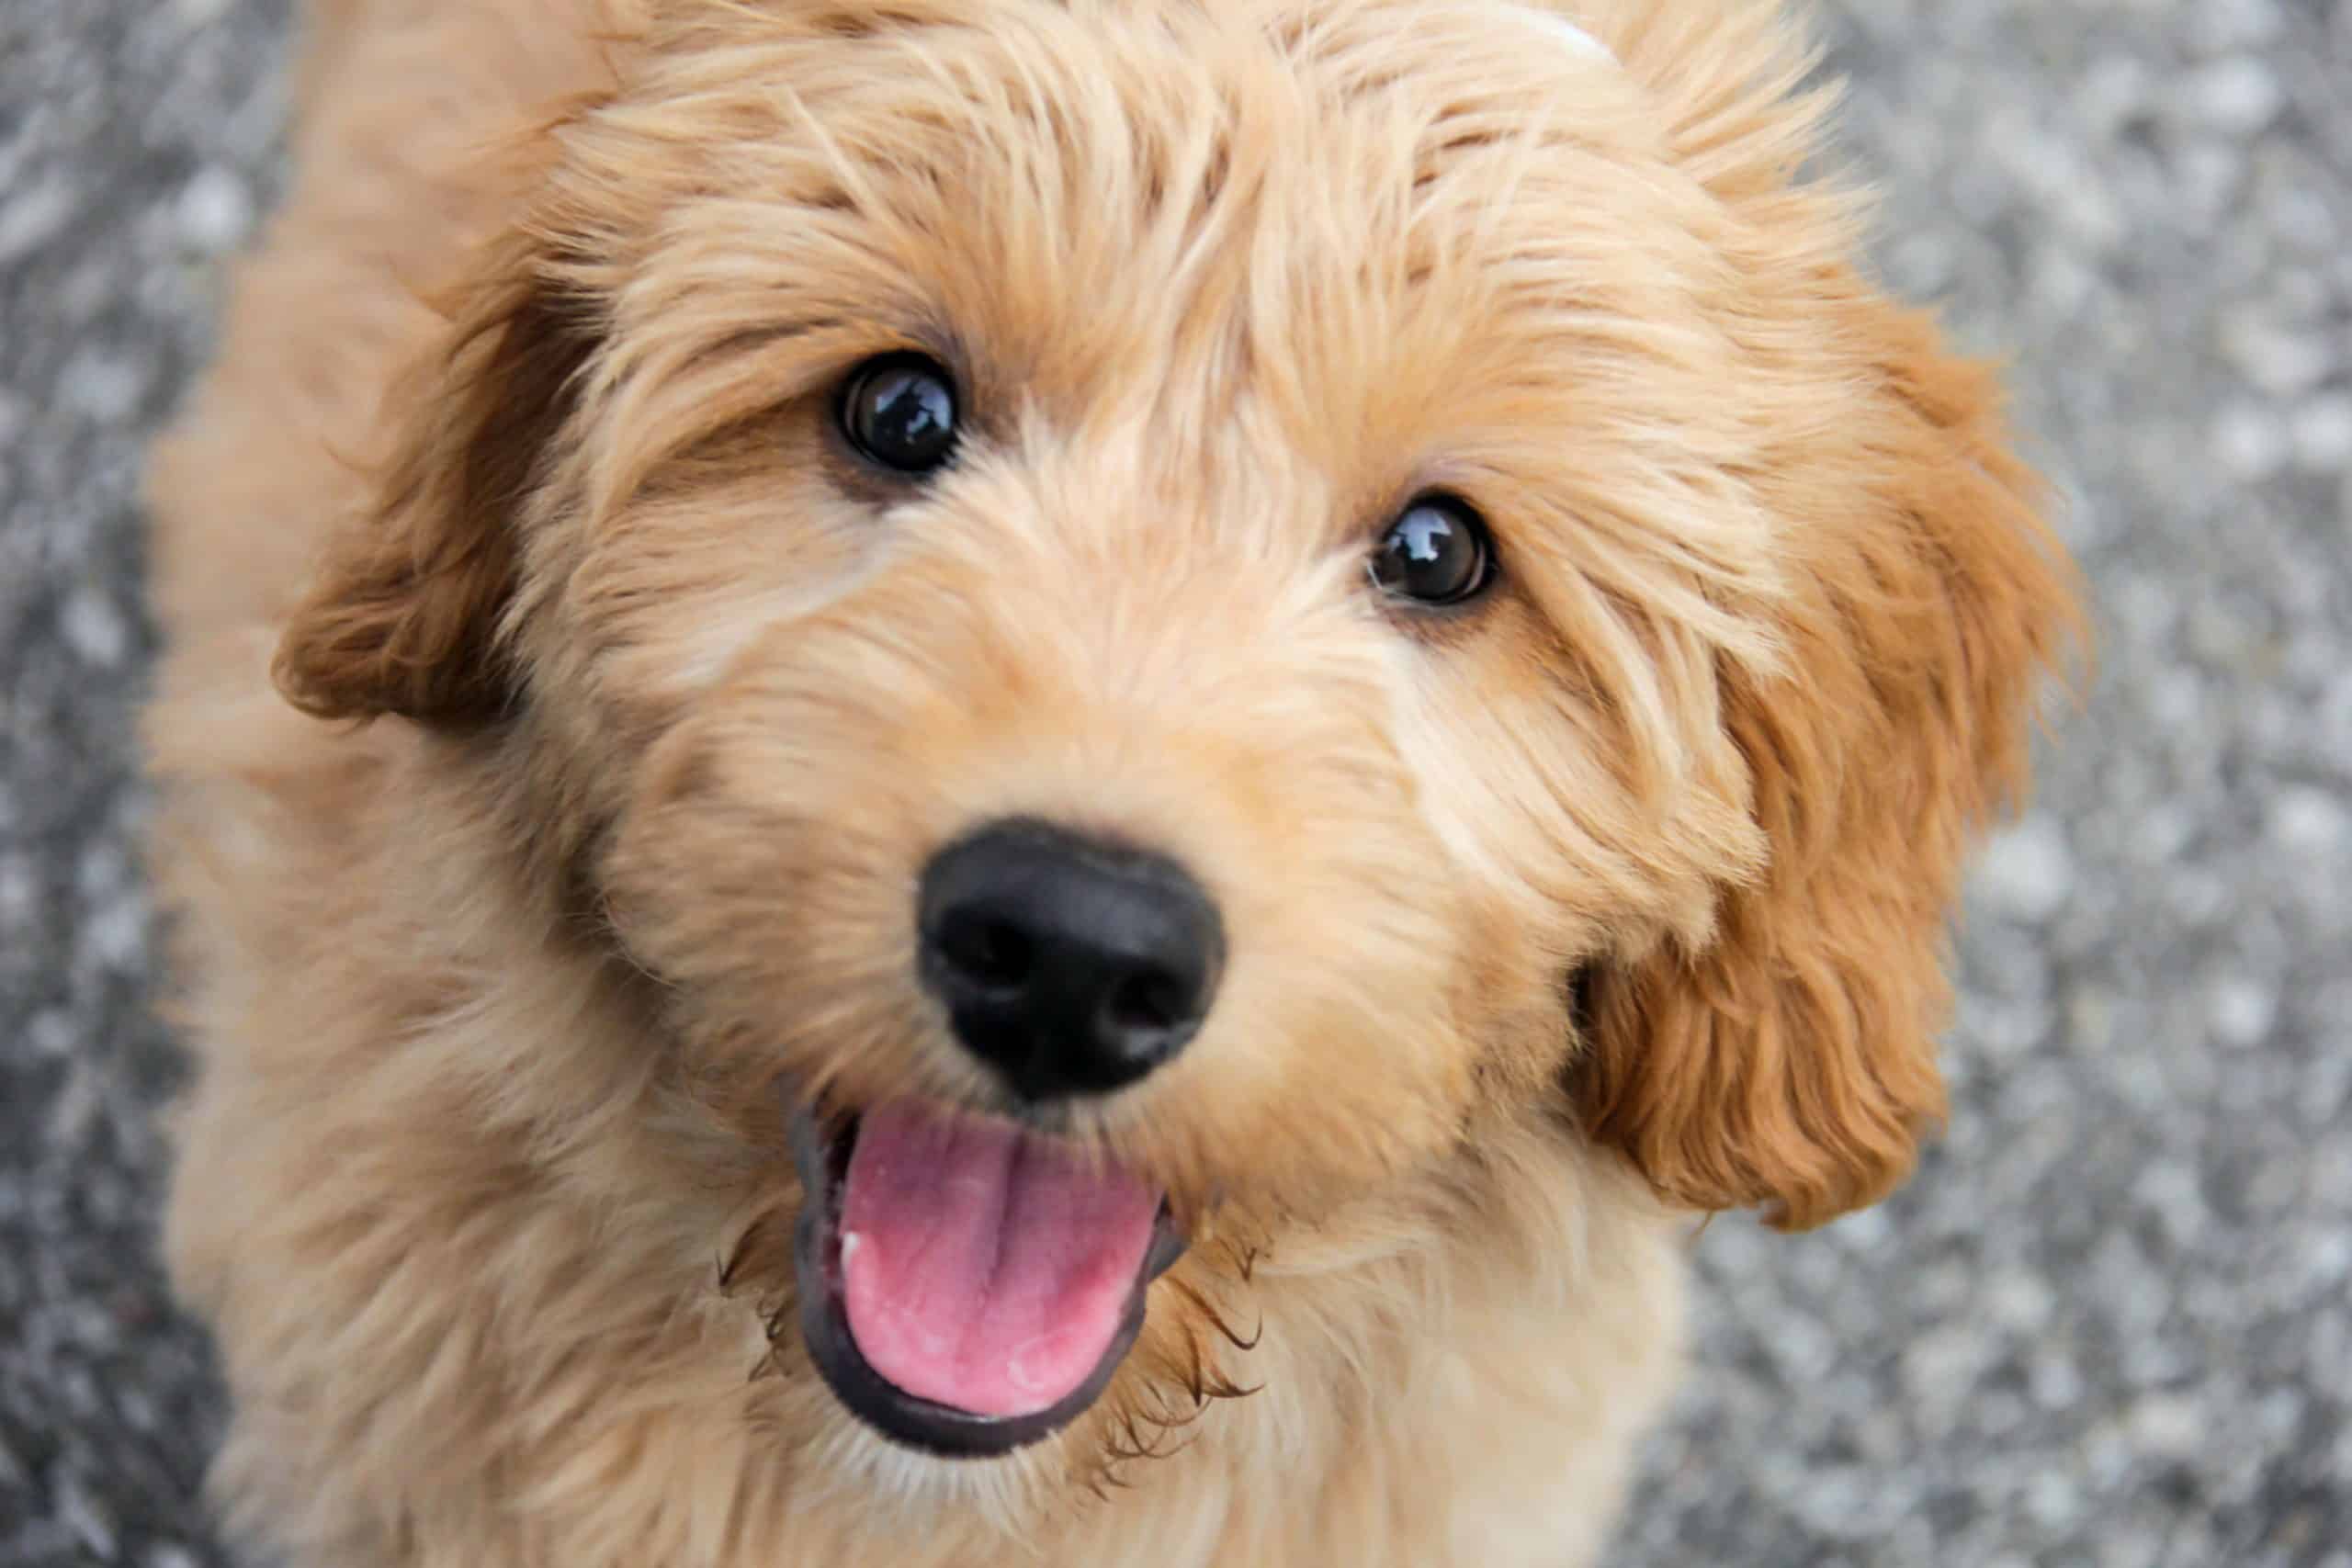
(1070,965)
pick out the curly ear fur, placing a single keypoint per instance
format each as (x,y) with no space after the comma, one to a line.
(403,617)
(1792,1064)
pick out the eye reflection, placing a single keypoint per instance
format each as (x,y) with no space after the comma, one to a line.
(899,409)
(1438,552)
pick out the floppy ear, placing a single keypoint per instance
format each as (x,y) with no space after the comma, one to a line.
(404,615)
(1792,1064)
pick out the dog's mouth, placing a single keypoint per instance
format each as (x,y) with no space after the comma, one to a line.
(968,1285)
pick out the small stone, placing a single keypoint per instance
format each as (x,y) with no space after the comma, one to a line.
(95,628)
(2027,873)
(2019,1302)
(216,210)
(103,388)
(2251,443)
(1940,1367)
(2307,821)
(87,1518)
(2166,1426)
(2052,1499)
(29,217)
(115,936)
(2274,357)
(2327,1262)
(2240,1012)
(2238,96)
(1864,1230)
(53,1034)
(2277,1413)
(2321,432)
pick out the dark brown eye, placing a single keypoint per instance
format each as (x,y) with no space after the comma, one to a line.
(899,409)
(1436,552)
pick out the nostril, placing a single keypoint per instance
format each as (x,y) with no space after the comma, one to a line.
(993,954)
(1149,999)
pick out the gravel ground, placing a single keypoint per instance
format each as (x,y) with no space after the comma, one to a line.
(2108,1325)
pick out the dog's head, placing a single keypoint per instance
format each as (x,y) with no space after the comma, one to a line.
(1225,590)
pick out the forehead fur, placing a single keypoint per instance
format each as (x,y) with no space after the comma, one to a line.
(1166,169)
(1390,248)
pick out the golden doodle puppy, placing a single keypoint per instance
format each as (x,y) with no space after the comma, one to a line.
(1078,706)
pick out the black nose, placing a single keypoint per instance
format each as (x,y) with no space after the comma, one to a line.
(1071,966)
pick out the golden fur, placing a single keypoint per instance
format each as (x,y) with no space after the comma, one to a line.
(1617,900)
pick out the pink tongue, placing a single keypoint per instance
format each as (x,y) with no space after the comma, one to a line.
(984,1268)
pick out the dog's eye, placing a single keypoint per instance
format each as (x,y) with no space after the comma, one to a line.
(1436,552)
(899,409)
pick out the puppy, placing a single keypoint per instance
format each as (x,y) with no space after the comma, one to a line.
(1015,717)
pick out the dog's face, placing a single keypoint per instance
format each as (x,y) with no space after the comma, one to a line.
(1144,611)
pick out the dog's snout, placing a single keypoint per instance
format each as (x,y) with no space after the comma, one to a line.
(1070,965)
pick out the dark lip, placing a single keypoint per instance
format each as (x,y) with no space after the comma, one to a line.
(821,1146)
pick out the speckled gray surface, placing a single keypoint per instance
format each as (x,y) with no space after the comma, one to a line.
(2109,1325)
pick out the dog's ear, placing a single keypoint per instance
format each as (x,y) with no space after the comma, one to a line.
(404,615)
(1791,1062)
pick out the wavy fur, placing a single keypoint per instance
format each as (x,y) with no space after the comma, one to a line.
(615,706)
